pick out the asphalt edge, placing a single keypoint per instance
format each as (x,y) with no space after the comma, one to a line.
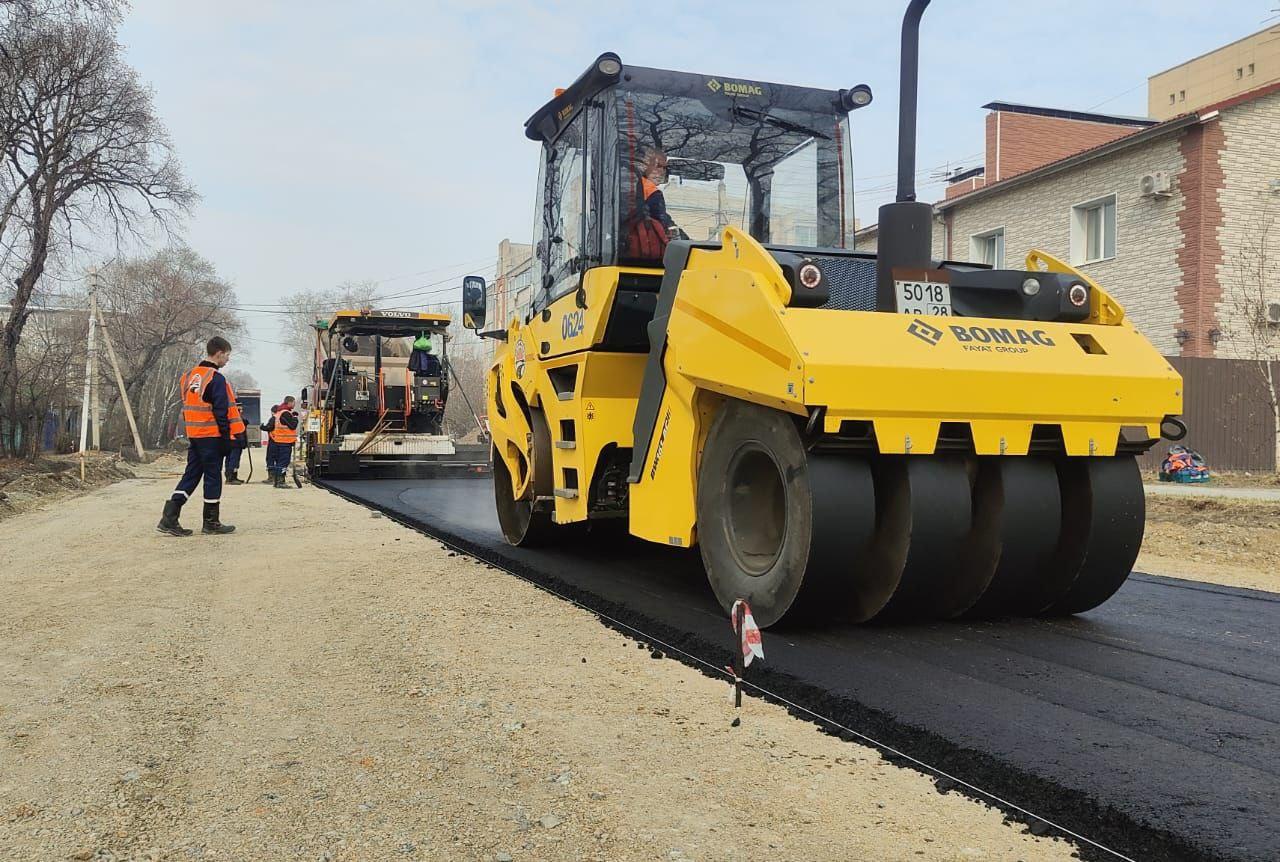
(1072,808)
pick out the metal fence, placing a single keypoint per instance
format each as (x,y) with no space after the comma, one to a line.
(1226,408)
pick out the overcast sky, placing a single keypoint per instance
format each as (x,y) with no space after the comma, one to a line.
(383,140)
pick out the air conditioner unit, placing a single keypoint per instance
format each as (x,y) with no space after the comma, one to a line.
(1272,313)
(1155,185)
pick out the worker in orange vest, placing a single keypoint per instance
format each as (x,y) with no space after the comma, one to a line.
(282,434)
(240,437)
(206,415)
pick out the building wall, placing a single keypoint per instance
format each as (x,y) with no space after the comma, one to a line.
(511,288)
(1143,275)
(1017,142)
(1249,231)
(1212,77)
(1200,253)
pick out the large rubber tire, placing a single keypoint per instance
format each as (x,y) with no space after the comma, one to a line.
(778,527)
(928,541)
(523,522)
(1104,510)
(1022,492)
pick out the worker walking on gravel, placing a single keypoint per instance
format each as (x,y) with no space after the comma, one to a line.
(207,417)
(282,430)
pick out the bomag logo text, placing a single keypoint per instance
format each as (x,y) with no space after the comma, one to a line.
(1000,339)
(735,88)
(662,439)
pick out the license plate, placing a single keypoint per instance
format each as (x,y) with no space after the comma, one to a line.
(923,298)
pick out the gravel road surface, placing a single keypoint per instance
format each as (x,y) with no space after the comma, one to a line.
(328,685)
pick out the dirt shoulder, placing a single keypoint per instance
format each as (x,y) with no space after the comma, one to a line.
(26,485)
(1217,540)
(248,697)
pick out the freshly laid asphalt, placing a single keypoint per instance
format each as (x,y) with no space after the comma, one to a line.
(1150,725)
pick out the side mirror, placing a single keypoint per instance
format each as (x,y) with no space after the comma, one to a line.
(474,301)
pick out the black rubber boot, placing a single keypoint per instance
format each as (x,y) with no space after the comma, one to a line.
(169,521)
(211,523)
(271,478)
(233,479)
(280,482)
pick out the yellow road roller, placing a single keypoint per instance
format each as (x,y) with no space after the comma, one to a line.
(707,358)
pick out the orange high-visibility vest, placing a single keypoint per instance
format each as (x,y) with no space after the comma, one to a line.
(281,433)
(197,414)
(233,413)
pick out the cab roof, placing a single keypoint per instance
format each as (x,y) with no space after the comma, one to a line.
(391,324)
(547,122)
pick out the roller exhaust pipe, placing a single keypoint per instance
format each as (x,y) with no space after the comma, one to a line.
(906,225)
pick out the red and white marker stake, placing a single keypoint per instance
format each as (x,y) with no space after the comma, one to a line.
(748,646)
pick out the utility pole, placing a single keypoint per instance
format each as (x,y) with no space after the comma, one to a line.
(93,360)
(89,368)
(124,395)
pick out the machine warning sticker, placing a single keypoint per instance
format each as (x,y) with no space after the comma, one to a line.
(519,357)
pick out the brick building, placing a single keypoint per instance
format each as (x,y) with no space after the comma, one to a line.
(1162,215)
(1020,138)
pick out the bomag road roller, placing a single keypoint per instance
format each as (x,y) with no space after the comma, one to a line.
(844,433)
(380,383)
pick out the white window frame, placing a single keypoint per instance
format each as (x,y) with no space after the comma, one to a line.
(977,239)
(1079,240)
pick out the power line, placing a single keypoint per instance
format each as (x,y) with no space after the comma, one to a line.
(483,262)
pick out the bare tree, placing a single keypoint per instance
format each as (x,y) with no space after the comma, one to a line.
(469,357)
(47,380)
(241,380)
(170,300)
(81,148)
(302,310)
(1254,333)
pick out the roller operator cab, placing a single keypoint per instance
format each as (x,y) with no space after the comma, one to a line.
(707,357)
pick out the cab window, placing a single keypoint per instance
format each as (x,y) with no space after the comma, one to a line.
(563,235)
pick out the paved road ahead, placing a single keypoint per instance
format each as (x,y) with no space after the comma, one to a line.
(1160,709)
(1172,489)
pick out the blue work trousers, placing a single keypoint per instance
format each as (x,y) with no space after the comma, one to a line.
(278,456)
(204,458)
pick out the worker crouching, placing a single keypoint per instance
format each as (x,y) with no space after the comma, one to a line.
(210,424)
(282,433)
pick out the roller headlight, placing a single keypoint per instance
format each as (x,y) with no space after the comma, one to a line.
(609,66)
(1031,286)
(1078,295)
(809,275)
